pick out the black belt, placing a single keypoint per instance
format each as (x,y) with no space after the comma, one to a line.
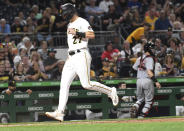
(74,52)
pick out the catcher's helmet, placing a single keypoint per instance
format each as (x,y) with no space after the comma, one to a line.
(148,47)
(67,11)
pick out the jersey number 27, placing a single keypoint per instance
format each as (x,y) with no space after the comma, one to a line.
(77,39)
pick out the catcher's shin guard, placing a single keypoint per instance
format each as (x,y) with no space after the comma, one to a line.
(133,112)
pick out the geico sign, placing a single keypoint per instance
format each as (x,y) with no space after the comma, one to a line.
(83,106)
(1,96)
(21,96)
(155,104)
(73,94)
(121,92)
(41,95)
(165,91)
(94,93)
(126,104)
(40,108)
(182,90)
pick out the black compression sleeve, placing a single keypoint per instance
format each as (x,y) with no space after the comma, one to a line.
(81,34)
(154,79)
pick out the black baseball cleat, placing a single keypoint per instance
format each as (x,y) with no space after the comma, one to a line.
(133,112)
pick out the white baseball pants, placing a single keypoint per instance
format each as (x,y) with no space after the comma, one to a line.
(78,64)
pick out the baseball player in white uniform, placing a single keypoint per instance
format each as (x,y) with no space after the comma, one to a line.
(145,81)
(78,62)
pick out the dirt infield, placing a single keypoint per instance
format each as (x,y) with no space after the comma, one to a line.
(95,122)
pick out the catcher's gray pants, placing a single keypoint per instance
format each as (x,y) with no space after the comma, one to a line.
(145,93)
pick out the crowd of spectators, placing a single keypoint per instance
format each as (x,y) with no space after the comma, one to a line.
(134,19)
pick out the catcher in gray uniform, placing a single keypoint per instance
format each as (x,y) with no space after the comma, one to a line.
(144,66)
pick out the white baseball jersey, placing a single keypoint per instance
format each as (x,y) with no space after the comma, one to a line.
(80,25)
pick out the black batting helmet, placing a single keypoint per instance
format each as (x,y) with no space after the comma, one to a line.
(148,47)
(67,11)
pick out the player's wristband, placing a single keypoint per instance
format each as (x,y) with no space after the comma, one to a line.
(154,79)
(81,34)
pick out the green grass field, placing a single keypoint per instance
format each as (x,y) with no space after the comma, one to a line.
(93,126)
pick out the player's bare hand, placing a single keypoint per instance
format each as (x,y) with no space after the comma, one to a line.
(158,85)
(8,91)
(71,31)
(29,91)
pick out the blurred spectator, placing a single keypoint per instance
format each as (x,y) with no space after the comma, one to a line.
(124,63)
(18,57)
(172,19)
(8,68)
(151,5)
(34,73)
(92,9)
(44,26)
(33,51)
(19,72)
(52,19)
(169,65)
(104,5)
(43,51)
(59,24)
(50,15)
(13,3)
(166,37)
(53,6)
(136,20)
(16,26)
(118,6)
(36,11)
(35,58)
(134,4)
(24,39)
(109,69)
(126,52)
(26,63)
(110,53)
(4,27)
(127,18)
(123,4)
(138,33)
(7,39)
(22,18)
(33,17)
(175,51)
(151,18)
(30,25)
(177,25)
(6,62)
(117,42)
(93,13)
(111,19)
(181,35)
(26,42)
(162,23)
(51,62)
(160,50)
(180,11)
